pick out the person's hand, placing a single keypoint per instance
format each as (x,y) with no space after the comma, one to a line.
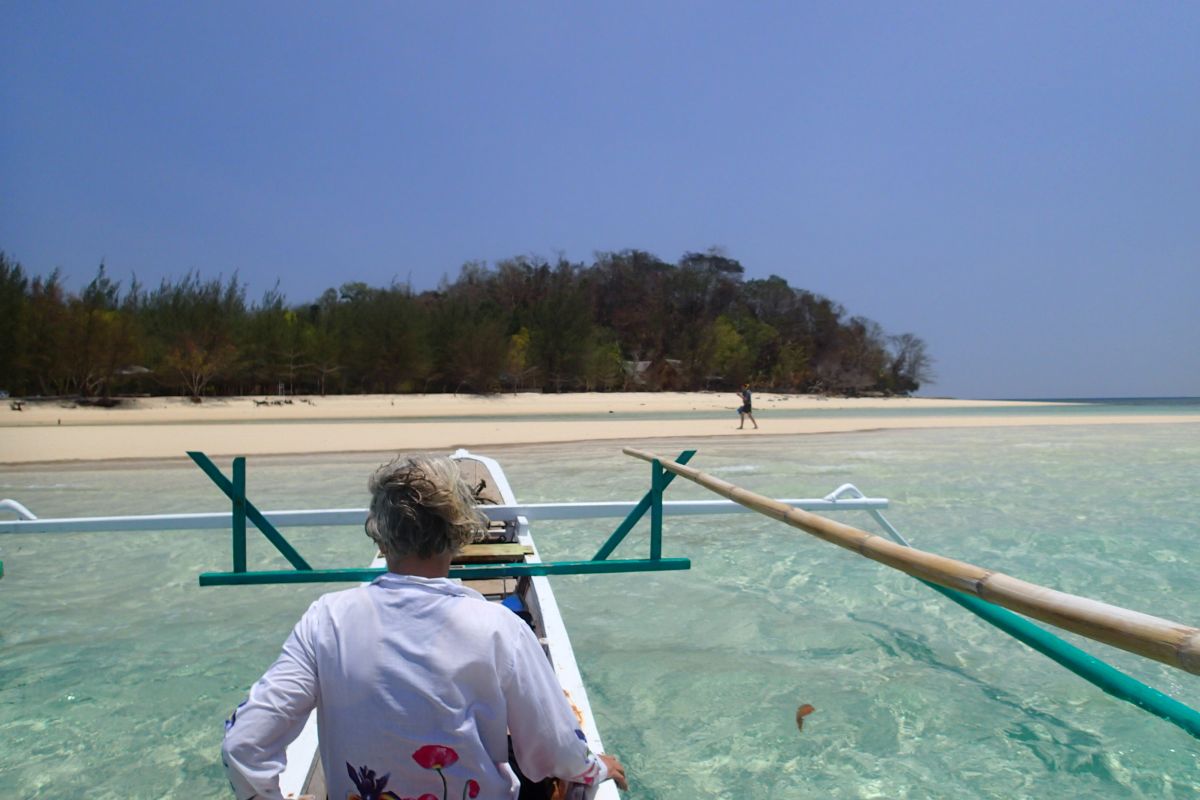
(615,771)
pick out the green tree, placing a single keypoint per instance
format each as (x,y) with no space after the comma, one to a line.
(470,333)
(274,346)
(731,355)
(602,368)
(193,328)
(46,329)
(630,298)
(385,335)
(700,289)
(856,362)
(322,342)
(791,370)
(560,326)
(517,367)
(909,365)
(526,322)
(14,299)
(100,337)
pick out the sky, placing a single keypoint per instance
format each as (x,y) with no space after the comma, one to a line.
(1017,183)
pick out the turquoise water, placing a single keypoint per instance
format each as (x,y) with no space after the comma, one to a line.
(116,670)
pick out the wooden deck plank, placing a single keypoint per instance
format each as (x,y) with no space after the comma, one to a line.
(493,587)
(492,553)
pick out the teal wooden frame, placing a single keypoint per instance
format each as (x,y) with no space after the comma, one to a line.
(244,510)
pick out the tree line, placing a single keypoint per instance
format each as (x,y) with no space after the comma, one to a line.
(626,321)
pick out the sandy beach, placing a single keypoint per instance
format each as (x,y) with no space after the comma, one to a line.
(164,427)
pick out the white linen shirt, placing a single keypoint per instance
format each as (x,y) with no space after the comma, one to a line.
(399,670)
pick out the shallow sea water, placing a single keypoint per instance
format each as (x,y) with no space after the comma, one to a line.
(116,669)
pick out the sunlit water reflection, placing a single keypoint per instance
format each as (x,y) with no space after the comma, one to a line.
(116,669)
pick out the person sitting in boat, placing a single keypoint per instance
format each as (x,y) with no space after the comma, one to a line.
(417,680)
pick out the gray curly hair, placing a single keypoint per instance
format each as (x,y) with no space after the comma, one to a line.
(421,506)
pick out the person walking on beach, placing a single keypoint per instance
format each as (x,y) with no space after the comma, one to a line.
(421,685)
(746,409)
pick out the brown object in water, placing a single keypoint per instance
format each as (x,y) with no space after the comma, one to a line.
(802,712)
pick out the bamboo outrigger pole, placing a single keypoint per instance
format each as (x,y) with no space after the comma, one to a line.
(1170,642)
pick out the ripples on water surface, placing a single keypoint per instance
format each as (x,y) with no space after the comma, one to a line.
(116,670)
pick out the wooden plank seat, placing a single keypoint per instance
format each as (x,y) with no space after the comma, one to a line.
(500,553)
(493,588)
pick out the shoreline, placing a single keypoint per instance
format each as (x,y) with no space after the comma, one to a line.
(311,408)
(165,428)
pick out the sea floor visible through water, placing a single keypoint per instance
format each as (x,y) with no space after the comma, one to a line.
(117,670)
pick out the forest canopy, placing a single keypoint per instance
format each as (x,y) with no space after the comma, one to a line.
(626,321)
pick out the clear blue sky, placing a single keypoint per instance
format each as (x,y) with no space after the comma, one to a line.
(1017,183)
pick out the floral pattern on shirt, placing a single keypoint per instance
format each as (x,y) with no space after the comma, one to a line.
(431,756)
(369,787)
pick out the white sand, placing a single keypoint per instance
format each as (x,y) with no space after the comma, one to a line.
(167,427)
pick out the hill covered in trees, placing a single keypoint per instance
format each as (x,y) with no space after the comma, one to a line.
(626,321)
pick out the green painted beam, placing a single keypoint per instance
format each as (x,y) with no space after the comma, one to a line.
(1082,663)
(657,484)
(638,512)
(251,511)
(239,514)
(476,572)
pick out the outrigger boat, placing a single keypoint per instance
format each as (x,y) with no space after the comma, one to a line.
(508,568)
(505,567)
